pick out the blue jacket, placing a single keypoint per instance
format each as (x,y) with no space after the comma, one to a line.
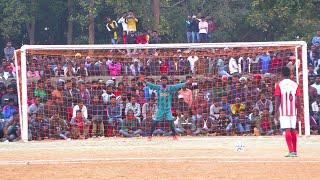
(8,111)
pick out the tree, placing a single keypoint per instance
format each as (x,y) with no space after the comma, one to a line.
(18,15)
(70,22)
(285,19)
(156,13)
(91,22)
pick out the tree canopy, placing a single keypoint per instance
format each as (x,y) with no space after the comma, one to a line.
(49,22)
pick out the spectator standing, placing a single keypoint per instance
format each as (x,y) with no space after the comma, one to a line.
(192,60)
(211,29)
(112,27)
(195,29)
(97,113)
(83,94)
(203,30)
(316,39)
(264,103)
(233,66)
(10,94)
(114,68)
(106,96)
(315,106)
(189,30)
(132,22)
(130,127)
(133,105)
(200,113)
(317,84)
(123,23)
(82,108)
(155,39)
(186,94)
(114,112)
(8,51)
(265,61)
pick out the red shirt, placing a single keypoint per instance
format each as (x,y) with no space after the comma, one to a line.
(142,39)
(275,63)
(164,68)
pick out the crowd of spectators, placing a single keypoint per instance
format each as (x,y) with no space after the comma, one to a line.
(82,96)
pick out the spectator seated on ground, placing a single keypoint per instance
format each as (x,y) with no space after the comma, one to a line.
(220,123)
(39,125)
(240,124)
(11,129)
(79,126)
(58,127)
(264,126)
(130,126)
(149,110)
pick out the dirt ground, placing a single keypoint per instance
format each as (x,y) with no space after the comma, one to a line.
(162,158)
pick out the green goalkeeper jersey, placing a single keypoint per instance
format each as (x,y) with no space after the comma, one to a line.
(165,95)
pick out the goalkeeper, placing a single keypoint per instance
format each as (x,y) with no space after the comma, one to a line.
(164,94)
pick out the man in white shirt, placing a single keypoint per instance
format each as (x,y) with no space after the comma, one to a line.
(317,84)
(192,60)
(203,30)
(80,106)
(123,23)
(315,118)
(233,66)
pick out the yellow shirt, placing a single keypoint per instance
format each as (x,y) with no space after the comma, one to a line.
(132,24)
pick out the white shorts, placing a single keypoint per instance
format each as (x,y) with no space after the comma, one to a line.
(288,122)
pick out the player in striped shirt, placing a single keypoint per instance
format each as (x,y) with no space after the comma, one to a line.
(287,99)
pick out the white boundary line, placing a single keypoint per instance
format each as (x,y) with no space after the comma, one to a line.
(205,159)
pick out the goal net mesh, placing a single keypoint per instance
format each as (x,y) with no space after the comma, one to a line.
(90,92)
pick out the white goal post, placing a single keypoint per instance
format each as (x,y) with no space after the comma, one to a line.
(21,64)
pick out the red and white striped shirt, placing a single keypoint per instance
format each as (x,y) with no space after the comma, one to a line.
(288,90)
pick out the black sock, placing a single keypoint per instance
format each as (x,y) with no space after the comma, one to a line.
(153,127)
(172,128)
